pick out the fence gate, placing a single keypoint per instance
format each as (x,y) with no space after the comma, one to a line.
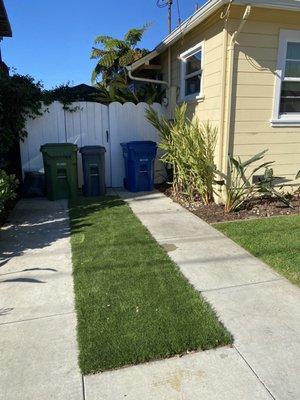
(88,123)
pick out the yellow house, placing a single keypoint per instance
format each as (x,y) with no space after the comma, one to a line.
(237,64)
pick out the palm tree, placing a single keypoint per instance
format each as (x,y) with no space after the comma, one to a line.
(116,54)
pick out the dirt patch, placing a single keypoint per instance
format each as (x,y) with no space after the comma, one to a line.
(213,213)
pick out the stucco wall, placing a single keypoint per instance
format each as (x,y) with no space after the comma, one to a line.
(254,90)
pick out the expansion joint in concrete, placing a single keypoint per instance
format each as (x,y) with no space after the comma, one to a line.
(34,319)
(83,388)
(242,285)
(253,371)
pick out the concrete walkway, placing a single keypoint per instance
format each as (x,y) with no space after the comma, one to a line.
(38,350)
(259,307)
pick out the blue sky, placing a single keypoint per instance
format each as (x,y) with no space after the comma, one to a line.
(52,39)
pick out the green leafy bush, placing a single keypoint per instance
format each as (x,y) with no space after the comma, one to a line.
(20,98)
(8,187)
(189,148)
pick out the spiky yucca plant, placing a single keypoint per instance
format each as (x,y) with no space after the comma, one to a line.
(189,148)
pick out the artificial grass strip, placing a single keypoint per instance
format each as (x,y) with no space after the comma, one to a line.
(276,241)
(133,304)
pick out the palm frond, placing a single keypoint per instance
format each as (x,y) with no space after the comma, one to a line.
(97,53)
(133,36)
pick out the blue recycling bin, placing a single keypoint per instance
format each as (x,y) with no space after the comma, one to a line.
(139,159)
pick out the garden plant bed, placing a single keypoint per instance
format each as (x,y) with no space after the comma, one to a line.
(213,213)
(133,304)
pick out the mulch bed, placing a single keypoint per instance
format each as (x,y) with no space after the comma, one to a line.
(213,213)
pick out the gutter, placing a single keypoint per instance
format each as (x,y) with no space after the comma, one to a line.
(228,103)
(138,79)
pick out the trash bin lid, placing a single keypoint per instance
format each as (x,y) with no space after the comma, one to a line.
(138,143)
(58,149)
(92,149)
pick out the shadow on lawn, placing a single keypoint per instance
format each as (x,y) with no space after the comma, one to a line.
(83,207)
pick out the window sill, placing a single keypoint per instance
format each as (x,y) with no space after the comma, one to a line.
(192,99)
(277,122)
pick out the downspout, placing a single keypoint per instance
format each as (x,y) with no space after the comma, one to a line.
(227,113)
(223,97)
(139,79)
(167,83)
(169,68)
(170,91)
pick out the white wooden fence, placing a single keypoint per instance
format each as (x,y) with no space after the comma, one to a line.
(90,124)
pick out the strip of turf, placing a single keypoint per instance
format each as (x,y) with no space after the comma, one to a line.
(276,241)
(133,304)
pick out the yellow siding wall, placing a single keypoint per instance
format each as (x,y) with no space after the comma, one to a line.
(254,88)
(253,84)
(211,32)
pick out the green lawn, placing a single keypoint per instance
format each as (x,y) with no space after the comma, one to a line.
(133,304)
(276,241)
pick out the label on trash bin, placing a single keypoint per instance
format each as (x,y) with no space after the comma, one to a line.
(61,164)
(144,159)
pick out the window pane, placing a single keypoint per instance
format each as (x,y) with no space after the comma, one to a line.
(290,89)
(290,97)
(292,69)
(193,63)
(293,51)
(192,85)
(288,105)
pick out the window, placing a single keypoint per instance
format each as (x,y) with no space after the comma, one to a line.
(287,93)
(191,73)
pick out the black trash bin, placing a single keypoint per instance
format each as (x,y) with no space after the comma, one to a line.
(93,163)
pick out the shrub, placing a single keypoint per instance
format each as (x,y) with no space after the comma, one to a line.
(189,148)
(266,186)
(8,187)
(20,98)
(239,185)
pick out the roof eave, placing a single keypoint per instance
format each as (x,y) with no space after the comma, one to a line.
(204,12)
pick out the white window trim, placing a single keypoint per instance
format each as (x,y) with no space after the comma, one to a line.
(183,57)
(292,119)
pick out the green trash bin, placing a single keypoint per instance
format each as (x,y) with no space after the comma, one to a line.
(60,164)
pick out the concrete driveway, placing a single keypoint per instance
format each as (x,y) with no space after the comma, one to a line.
(38,349)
